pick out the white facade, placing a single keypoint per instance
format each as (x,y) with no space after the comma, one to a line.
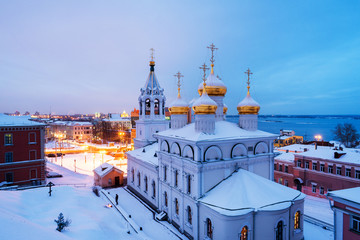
(214,179)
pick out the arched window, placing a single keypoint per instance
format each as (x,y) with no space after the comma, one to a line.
(297,220)
(279,230)
(156,107)
(163,107)
(189,215)
(165,173)
(139,180)
(189,183)
(154,189)
(147,106)
(133,175)
(166,199)
(146,183)
(176,177)
(244,233)
(176,206)
(209,228)
(140,108)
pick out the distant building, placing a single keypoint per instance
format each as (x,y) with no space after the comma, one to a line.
(21,151)
(106,175)
(315,170)
(134,117)
(346,209)
(287,137)
(72,130)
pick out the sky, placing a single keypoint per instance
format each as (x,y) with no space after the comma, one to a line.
(93,56)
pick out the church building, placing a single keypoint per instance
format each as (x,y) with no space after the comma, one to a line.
(212,179)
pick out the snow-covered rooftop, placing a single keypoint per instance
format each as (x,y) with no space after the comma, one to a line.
(350,194)
(223,130)
(179,102)
(104,169)
(245,191)
(71,123)
(148,155)
(6,121)
(248,101)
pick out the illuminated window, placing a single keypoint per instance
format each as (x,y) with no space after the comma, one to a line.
(176,206)
(297,220)
(244,233)
(8,139)
(209,228)
(189,215)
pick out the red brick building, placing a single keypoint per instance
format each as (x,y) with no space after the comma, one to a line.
(346,209)
(21,151)
(317,170)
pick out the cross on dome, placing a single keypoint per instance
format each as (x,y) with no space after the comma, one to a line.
(212,60)
(179,76)
(248,72)
(204,68)
(152,54)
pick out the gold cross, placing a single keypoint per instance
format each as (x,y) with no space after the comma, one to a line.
(248,72)
(152,54)
(212,48)
(204,68)
(179,76)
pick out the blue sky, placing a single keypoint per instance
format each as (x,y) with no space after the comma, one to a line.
(92,56)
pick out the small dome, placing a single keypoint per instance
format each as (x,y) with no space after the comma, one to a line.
(248,106)
(179,106)
(204,105)
(214,86)
(225,108)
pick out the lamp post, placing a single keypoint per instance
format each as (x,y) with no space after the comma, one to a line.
(318,137)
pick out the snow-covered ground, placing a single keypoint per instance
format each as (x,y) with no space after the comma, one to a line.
(319,208)
(86,163)
(313,232)
(30,215)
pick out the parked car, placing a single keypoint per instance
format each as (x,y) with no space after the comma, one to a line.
(51,155)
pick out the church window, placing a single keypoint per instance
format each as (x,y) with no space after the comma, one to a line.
(165,199)
(176,206)
(322,167)
(209,228)
(147,106)
(279,231)
(165,173)
(154,189)
(244,233)
(163,107)
(176,177)
(156,107)
(140,108)
(146,183)
(189,183)
(132,175)
(297,220)
(189,215)
(139,179)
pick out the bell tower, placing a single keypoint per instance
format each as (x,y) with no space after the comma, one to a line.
(152,109)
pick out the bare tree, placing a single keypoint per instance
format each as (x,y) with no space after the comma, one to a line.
(346,134)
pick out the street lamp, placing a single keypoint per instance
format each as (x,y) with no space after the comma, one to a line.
(318,137)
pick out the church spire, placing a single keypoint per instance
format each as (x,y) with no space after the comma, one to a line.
(152,61)
(212,60)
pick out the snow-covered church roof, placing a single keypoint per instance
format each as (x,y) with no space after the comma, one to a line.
(223,131)
(146,154)
(245,191)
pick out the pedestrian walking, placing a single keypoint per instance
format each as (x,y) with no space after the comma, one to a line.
(116,199)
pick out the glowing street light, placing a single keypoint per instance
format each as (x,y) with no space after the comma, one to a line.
(318,137)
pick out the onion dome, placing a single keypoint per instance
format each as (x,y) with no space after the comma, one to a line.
(248,105)
(204,105)
(225,108)
(179,106)
(214,86)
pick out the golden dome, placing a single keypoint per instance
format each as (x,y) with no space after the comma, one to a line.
(214,86)
(204,105)
(178,107)
(225,108)
(248,105)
